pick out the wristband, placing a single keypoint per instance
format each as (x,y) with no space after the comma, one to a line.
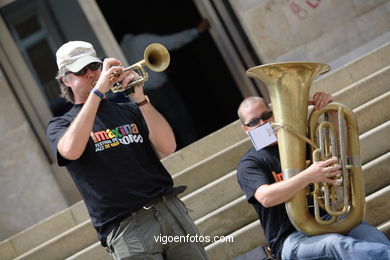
(98,93)
(145,101)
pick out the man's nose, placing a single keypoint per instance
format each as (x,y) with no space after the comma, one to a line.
(261,122)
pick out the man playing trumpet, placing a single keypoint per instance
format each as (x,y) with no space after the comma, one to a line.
(113,154)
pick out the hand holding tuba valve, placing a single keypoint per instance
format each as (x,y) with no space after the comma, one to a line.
(156,58)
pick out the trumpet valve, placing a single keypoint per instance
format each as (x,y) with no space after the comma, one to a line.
(339,181)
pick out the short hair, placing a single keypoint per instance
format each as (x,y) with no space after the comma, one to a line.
(66,92)
(249,101)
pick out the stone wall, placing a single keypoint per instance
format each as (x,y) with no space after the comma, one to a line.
(312,30)
(28,190)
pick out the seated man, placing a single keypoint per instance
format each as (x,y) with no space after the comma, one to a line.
(255,176)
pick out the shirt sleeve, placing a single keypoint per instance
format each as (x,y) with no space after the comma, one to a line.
(170,41)
(55,130)
(251,174)
(174,41)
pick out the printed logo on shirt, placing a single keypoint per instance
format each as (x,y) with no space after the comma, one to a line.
(124,134)
(277,176)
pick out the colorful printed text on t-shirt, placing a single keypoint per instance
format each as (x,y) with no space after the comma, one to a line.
(124,134)
(277,176)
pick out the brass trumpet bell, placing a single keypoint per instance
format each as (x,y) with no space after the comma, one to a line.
(156,58)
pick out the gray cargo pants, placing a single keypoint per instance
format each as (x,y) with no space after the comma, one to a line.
(151,234)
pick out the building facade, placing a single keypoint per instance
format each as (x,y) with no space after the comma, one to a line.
(246,33)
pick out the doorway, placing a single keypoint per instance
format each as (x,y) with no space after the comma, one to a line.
(197,70)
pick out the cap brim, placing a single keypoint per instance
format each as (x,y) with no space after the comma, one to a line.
(81,63)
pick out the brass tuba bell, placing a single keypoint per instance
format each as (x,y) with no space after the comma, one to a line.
(156,58)
(344,203)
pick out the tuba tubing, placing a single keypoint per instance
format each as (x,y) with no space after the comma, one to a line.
(288,85)
(352,167)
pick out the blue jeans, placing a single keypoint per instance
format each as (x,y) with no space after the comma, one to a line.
(362,242)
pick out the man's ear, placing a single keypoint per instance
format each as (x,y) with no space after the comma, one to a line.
(65,81)
(244,128)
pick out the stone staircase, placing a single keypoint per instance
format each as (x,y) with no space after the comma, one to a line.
(207,167)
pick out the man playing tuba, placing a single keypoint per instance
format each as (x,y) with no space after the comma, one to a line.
(258,173)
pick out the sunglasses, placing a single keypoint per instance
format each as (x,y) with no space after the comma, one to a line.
(92,66)
(255,121)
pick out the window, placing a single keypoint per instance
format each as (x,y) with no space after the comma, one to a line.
(34,31)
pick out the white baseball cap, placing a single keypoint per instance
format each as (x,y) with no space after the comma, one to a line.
(75,55)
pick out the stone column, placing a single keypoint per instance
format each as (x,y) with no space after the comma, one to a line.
(29,192)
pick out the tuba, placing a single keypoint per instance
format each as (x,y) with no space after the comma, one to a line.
(337,208)
(156,58)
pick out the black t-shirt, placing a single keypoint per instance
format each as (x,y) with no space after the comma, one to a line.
(119,171)
(255,169)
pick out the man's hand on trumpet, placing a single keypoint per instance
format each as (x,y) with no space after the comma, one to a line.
(105,81)
(112,73)
(125,78)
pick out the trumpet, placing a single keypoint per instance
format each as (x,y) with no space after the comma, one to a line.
(156,58)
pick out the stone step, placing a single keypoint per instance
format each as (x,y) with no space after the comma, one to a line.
(235,214)
(210,169)
(352,72)
(204,148)
(208,188)
(232,216)
(373,113)
(64,245)
(372,169)
(251,235)
(226,219)
(369,109)
(229,217)
(93,252)
(378,207)
(374,143)
(225,147)
(371,63)
(385,228)
(206,224)
(221,218)
(194,201)
(365,89)
(226,160)
(216,193)
(366,109)
(43,231)
(377,173)
(245,239)
(222,222)
(223,251)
